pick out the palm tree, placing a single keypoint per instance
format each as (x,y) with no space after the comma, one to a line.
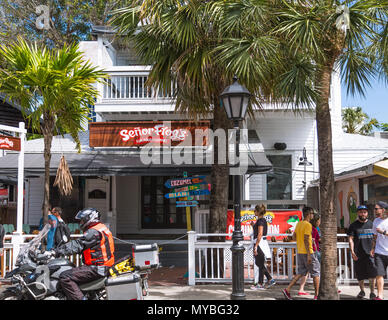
(183,43)
(384,127)
(181,40)
(54,88)
(331,32)
(285,51)
(354,120)
(351,34)
(176,40)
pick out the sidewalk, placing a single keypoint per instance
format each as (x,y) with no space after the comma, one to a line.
(170,284)
(222,292)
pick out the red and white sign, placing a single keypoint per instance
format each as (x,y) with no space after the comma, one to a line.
(279,222)
(9,143)
(145,135)
(4,193)
(129,134)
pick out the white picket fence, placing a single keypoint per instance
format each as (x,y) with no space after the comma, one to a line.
(7,260)
(205,256)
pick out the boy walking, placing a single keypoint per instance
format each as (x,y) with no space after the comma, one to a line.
(307,260)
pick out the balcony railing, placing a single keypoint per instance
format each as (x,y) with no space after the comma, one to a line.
(131,86)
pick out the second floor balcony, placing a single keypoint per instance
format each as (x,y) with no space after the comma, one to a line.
(126,91)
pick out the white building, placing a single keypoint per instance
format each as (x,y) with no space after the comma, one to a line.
(129,193)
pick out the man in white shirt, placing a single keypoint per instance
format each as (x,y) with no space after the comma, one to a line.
(380,245)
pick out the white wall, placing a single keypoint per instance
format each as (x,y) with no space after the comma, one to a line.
(346,158)
(297,132)
(257,187)
(98,53)
(90,51)
(128,204)
(335,102)
(100,204)
(34,200)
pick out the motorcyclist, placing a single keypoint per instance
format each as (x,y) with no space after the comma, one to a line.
(97,248)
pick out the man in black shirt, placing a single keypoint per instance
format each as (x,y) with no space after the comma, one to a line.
(360,242)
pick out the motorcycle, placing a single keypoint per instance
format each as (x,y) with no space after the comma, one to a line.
(36,277)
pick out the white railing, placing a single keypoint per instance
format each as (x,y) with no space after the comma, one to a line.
(212,261)
(7,261)
(131,86)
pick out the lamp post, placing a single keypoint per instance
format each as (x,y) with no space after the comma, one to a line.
(235,99)
(303,161)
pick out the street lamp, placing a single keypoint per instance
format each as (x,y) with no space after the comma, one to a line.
(235,99)
(304,162)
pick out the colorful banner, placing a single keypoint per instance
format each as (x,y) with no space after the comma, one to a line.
(188,188)
(180,204)
(186,193)
(279,222)
(183,182)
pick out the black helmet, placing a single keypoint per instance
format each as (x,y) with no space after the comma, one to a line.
(88,216)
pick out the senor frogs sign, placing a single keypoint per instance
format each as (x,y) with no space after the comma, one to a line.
(134,134)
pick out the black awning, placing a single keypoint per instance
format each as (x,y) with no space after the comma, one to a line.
(92,164)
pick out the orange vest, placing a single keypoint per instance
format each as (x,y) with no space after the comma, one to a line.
(101,255)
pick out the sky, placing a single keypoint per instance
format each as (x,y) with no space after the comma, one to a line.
(375,102)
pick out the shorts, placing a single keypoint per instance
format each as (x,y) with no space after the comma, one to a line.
(381,262)
(365,268)
(303,268)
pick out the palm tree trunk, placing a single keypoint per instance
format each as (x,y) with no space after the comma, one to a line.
(328,287)
(219,178)
(219,194)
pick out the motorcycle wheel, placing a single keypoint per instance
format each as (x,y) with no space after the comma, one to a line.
(8,295)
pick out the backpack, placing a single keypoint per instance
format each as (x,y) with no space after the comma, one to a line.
(62,233)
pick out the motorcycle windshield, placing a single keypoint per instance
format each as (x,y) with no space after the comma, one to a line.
(34,244)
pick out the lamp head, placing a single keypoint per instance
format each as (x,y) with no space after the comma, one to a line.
(235,99)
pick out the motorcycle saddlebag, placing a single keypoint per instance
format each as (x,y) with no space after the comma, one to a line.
(146,256)
(124,287)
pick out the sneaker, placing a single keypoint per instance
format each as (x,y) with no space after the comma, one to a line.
(258,287)
(361,295)
(377,298)
(372,296)
(271,283)
(303,294)
(315,298)
(286,294)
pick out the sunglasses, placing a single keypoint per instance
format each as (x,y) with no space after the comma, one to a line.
(378,208)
